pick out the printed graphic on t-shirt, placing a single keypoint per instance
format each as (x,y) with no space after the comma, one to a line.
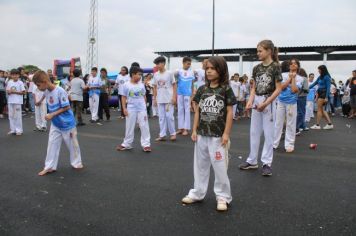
(211,107)
(265,78)
(218,156)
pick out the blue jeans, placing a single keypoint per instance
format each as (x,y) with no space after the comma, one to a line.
(301,105)
(31,102)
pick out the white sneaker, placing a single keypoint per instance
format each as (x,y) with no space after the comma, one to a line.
(328,126)
(221,205)
(188,200)
(315,127)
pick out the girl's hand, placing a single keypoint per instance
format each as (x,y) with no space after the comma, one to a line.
(248,105)
(224,140)
(194,136)
(49,117)
(261,107)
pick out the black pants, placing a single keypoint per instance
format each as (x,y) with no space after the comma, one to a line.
(346,109)
(85,100)
(104,105)
(2,101)
(149,104)
(121,106)
(77,110)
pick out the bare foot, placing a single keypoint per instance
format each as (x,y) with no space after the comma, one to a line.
(173,138)
(179,131)
(160,139)
(78,167)
(45,172)
(185,133)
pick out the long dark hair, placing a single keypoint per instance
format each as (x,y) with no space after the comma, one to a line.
(285,66)
(220,66)
(323,71)
(126,69)
(303,73)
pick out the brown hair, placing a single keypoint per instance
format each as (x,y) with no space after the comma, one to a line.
(220,66)
(40,76)
(268,45)
(302,73)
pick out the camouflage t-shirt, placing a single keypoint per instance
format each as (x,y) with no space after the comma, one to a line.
(265,78)
(213,104)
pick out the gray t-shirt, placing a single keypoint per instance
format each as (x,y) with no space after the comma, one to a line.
(76,89)
(2,84)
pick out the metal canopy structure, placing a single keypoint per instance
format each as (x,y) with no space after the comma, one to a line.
(303,53)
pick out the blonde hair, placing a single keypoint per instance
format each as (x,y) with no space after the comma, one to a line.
(40,76)
(268,44)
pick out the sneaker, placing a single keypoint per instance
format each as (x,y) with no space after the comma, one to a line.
(247,166)
(328,126)
(122,148)
(1,116)
(188,200)
(18,134)
(298,133)
(306,129)
(43,129)
(81,124)
(315,127)
(266,170)
(11,133)
(221,205)
(147,149)
(36,129)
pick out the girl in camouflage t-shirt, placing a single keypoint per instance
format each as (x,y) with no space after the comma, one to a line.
(211,130)
(265,88)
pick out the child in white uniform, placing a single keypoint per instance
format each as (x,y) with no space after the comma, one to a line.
(211,131)
(136,112)
(165,98)
(62,124)
(40,109)
(94,85)
(185,78)
(287,106)
(15,90)
(234,83)
(265,88)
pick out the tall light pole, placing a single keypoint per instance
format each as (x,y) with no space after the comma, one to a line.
(213,41)
(92,46)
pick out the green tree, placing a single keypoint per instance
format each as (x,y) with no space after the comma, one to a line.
(29,68)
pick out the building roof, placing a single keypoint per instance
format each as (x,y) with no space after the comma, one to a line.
(305,53)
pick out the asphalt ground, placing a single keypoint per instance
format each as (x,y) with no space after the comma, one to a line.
(311,192)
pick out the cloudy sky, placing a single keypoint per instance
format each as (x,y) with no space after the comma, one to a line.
(37,32)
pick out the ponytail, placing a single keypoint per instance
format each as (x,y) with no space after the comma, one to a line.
(268,44)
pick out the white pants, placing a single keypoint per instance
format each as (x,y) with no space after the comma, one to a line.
(309,113)
(183,112)
(154,108)
(40,114)
(142,120)
(15,118)
(289,113)
(262,122)
(54,146)
(166,118)
(208,152)
(94,106)
(234,109)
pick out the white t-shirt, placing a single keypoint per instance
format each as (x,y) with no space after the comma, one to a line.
(76,89)
(31,88)
(235,87)
(242,92)
(135,94)
(38,94)
(17,86)
(120,81)
(200,75)
(164,82)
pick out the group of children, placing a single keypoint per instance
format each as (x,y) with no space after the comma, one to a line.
(213,97)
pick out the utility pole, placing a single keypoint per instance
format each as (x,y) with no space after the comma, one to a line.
(92,45)
(213,46)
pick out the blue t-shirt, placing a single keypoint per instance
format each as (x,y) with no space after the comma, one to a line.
(57,99)
(185,79)
(94,82)
(311,94)
(287,96)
